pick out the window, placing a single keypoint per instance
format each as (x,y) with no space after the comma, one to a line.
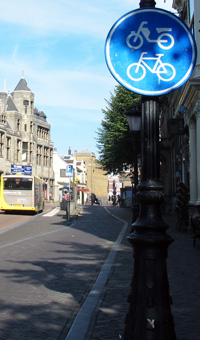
(42,132)
(25,127)
(46,154)
(51,157)
(8,144)
(39,154)
(62,172)
(26,103)
(18,124)
(1,143)
(18,183)
(38,131)
(18,149)
(32,107)
(31,152)
(3,119)
(24,151)
(31,127)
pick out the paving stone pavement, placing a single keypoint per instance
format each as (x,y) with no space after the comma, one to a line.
(184,277)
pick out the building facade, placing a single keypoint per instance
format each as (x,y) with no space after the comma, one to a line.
(76,179)
(25,136)
(87,176)
(180,127)
(96,178)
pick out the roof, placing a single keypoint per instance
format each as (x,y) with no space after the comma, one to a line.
(42,115)
(22,86)
(11,105)
(39,114)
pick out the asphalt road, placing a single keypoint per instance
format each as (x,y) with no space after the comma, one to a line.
(47,269)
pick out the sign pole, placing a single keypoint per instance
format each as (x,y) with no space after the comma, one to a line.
(149,315)
(152,52)
(68,213)
(69,173)
(147,3)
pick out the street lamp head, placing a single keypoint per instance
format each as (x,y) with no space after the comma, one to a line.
(134,119)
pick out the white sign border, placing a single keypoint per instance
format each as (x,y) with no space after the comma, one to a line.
(132,88)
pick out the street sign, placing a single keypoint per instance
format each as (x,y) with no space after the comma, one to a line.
(17,169)
(150,51)
(28,170)
(69,170)
(21,169)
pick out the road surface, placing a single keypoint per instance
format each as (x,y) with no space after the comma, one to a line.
(49,268)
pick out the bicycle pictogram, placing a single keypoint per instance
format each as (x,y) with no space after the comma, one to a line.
(164,40)
(145,49)
(164,71)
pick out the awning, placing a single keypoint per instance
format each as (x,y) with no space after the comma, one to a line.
(83,189)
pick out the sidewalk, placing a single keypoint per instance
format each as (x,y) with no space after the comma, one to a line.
(184,277)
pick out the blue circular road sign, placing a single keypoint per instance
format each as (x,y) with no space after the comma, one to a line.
(150,51)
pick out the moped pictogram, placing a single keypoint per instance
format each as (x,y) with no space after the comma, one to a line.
(135,39)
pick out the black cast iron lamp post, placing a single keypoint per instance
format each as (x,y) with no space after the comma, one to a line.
(149,316)
(131,50)
(134,121)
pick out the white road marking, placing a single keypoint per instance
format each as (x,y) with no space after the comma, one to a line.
(32,237)
(52,212)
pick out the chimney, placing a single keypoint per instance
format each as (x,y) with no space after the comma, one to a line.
(69,152)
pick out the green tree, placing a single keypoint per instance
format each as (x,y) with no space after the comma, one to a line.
(114,139)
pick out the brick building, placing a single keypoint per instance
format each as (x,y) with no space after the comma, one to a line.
(96,178)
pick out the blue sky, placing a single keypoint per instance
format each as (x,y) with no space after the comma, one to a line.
(59,48)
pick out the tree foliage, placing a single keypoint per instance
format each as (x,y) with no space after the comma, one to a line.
(114,138)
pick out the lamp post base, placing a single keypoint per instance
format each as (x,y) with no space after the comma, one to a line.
(149,316)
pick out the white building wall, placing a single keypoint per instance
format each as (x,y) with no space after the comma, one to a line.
(79,175)
(58,163)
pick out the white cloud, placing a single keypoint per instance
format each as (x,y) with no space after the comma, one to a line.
(80,17)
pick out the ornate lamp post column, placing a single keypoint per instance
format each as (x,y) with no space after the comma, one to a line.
(134,121)
(149,316)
